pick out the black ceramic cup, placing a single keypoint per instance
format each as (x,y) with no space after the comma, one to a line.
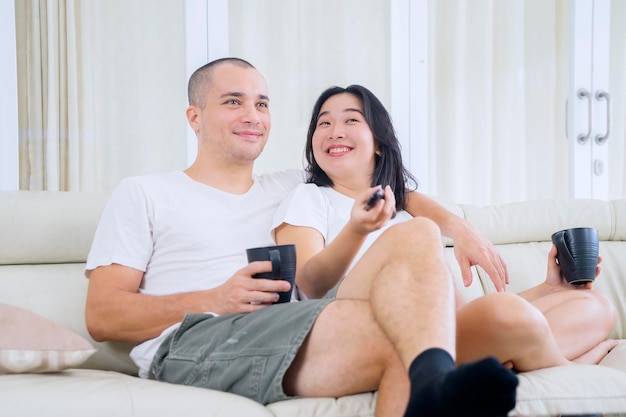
(577,253)
(283,258)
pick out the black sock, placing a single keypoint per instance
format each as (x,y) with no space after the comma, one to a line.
(483,388)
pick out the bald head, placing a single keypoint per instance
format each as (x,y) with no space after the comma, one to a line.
(201,79)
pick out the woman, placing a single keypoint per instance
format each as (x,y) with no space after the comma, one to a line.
(351,151)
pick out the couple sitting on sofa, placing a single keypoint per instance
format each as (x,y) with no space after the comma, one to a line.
(167,270)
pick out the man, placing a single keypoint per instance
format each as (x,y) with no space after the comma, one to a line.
(168,270)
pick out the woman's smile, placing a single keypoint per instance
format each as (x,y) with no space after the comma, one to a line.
(338,150)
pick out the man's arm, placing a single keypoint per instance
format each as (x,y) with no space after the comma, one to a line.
(115,310)
(470,246)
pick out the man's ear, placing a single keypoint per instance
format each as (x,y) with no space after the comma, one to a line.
(193,117)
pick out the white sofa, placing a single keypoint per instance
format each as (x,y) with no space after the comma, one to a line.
(45,237)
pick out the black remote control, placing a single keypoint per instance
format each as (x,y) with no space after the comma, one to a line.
(378,194)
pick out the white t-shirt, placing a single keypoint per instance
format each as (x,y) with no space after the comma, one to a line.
(326,211)
(183,234)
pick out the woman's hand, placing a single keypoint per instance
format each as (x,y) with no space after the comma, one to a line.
(365,219)
(556,280)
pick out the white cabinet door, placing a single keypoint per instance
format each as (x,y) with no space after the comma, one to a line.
(589,99)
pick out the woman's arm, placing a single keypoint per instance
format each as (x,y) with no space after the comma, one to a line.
(320,266)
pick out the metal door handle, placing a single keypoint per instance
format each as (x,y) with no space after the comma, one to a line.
(582,93)
(601,94)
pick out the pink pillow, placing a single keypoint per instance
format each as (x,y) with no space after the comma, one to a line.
(32,343)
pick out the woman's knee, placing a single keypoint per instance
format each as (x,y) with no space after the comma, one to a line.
(506,314)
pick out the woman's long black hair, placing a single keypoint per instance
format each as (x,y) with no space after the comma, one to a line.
(388,167)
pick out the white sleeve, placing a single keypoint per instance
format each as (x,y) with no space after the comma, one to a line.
(304,206)
(284,181)
(124,233)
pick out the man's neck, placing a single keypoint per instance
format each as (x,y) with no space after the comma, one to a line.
(234,179)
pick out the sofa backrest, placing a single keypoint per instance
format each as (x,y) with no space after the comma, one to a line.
(45,238)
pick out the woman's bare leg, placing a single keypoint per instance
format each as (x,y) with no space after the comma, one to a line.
(580,321)
(580,318)
(508,327)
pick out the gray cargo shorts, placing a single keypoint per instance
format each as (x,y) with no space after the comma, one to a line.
(244,354)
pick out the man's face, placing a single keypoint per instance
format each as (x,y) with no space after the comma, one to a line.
(235,122)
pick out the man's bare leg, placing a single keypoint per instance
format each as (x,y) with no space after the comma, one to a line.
(412,304)
(347,353)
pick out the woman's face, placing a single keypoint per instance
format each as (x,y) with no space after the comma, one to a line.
(343,144)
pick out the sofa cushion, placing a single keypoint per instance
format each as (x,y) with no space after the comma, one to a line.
(32,343)
(96,393)
(573,389)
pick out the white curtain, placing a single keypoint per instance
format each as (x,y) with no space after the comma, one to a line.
(101,89)
(498,90)
(48,128)
(304,47)
(499,77)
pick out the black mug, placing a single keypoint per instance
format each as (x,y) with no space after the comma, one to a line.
(577,253)
(283,258)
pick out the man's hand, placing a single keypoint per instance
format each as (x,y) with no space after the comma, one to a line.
(243,294)
(472,248)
